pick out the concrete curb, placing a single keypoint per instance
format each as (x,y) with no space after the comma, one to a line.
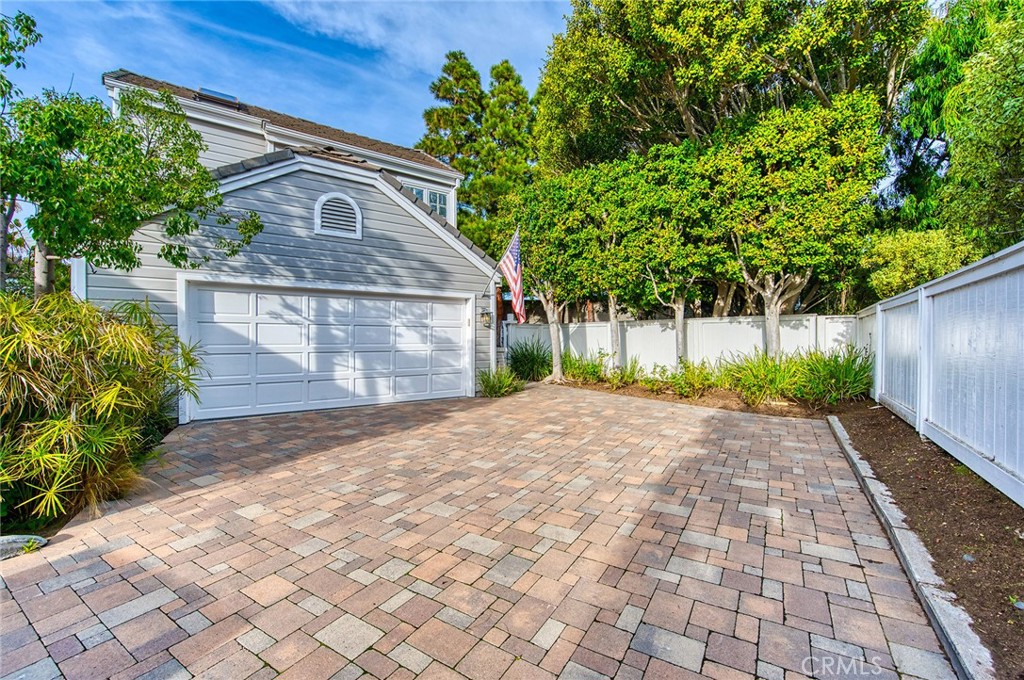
(970,659)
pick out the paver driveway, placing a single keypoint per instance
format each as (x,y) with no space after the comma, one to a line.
(556,532)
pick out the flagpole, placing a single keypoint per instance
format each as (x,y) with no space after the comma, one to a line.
(498,263)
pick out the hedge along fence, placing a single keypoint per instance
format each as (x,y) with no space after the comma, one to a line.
(653,343)
(84,398)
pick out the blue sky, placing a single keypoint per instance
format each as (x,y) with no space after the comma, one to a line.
(361,66)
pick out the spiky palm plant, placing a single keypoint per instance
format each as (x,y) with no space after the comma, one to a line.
(83,398)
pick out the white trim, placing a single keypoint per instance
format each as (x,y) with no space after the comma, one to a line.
(79,278)
(318,227)
(370,177)
(187,282)
(494,325)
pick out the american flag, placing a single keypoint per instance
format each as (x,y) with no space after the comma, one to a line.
(511,267)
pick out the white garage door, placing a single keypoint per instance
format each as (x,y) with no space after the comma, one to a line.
(273,351)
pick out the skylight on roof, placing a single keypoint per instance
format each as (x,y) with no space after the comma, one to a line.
(219,97)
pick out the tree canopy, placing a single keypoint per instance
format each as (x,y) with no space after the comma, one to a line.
(485,135)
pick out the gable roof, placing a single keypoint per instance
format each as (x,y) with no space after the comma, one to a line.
(332,155)
(290,122)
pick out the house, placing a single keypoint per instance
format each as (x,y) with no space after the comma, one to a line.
(360,289)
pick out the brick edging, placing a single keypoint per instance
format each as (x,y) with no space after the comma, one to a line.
(970,658)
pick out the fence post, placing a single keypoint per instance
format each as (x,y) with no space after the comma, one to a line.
(924,351)
(879,349)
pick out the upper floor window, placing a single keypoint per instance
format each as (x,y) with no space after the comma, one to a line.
(437,200)
(336,214)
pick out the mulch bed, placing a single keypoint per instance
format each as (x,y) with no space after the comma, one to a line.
(954,512)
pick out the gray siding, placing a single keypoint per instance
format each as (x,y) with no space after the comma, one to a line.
(396,250)
(226,145)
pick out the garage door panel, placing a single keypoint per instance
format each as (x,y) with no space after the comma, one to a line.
(408,385)
(446,358)
(279,393)
(372,361)
(372,387)
(412,335)
(225,396)
(271,364)
(279,334)
(323,308)
(277,350)
(325,334)
(279,305)
(446,336)
(373,309)
(212,334)
(446,382)
(412,359)
(229,366)
(448,311)
(412,310)
(336,389)
(330,362)
(373,335)
(223,302)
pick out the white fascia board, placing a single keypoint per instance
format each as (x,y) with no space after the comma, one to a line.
(287,137)
(351,173)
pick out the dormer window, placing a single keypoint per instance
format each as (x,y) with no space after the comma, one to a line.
(336,214)
(437,200)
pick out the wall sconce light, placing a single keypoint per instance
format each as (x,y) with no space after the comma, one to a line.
(487,319)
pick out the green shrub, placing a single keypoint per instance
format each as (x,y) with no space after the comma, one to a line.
(629,373)
(84,394)
(530,359)
(654,380)
(828,378)
(589,369)
(759,377)
(691,380)
(499,382)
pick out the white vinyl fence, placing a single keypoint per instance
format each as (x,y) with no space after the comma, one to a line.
(707,339)
(950,361)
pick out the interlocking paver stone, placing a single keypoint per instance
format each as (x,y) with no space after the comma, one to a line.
(668,646)
(349,636)
(590,535)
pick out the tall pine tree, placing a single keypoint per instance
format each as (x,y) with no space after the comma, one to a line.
(483,135)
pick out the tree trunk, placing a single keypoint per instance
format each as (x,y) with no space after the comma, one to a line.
(553,313)
(749,302)
(724,298)
(679,307)
(4,229)
(45,270)
(772,330)
(613,330)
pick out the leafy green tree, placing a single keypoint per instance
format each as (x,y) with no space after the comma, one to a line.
(17,34)
(984,119)
(791,194)
(904,259)
(920,147)
(553,246)
(629,74)
(96,177)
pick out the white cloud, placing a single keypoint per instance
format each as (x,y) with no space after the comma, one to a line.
(416,35)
